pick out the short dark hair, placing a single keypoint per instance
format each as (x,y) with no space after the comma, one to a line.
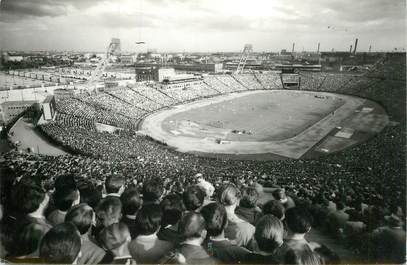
(27,197)
(90,194)
(114,183)
(275,208)
(250,196)
(215,218)
(279,194)
(152,189)
(193,197)
(340,205)
(108,210)
(298,220)
(229,194)
(131,201)
(81,216)
(65,182)
(191,225)
(269,233)
(65,198)
(61,244)
(148,219)
(172,207)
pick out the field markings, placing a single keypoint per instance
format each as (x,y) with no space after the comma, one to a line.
(294,147)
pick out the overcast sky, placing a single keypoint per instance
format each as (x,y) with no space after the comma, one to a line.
(202,25)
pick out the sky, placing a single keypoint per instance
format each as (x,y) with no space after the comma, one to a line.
(202,25)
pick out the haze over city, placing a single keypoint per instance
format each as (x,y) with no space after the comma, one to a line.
(202,26)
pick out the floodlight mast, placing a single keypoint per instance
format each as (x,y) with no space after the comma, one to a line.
(114,49)
(248,48)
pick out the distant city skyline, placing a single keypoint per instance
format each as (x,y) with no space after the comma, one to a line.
(202,25)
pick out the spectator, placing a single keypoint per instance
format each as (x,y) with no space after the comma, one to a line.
(336,220)
(89,194)
(302,257)
(208,188)
(131,203)
(108,211)
(61,244)
(63,200)
(83,217)
(217,245)
(275,208)
(193,198)
(29,230)
(286,201)
(152,191)
(237,230)
(172,208)
(147,248)
(192,229)
(388,243)
(269,237)
(247,208)
(298,223)
(115,239)
(114,186)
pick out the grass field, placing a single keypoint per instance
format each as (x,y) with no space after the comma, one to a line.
(279,122)
(264,117)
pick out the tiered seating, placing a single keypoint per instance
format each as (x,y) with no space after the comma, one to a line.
(135,99)
(270,80)
(249,81)
(74,121)
(109,102)
(231,82)
(215,83)
(155,95)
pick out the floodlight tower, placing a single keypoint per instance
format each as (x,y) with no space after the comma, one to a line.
(248,48)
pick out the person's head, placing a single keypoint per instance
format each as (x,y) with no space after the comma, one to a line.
(215,218)
(229,195)
(172,208)
(65,182)
(192,226)
(90,194)
(29,198)
(207,187)
(115,184)
(148,220)
(269,233)
(152,190)
(303,256)
(131,201)
(61,244)
(275,208)
(82,216)
(114,236)
(108,211)
(279,194)
(250,196)
(298,220)
(193,198)
(340,205)
(65,199)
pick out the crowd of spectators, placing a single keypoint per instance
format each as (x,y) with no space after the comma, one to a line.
(198,209)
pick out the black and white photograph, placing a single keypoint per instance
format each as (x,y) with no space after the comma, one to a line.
(203,132)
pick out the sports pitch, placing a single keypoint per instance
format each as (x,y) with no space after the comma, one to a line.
(280,122)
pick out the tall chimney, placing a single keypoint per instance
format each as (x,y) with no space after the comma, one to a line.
(356,45)
(318,47)
(350,49)
(293,47)
(370,48)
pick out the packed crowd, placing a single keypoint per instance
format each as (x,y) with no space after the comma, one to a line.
(356,196)
(73,220)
